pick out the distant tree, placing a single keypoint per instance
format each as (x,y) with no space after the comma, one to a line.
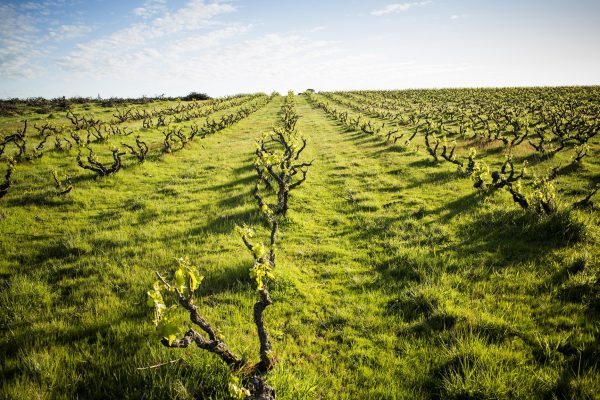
(196,96)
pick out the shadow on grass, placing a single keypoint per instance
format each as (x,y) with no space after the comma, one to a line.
(230,184)
(578,364)
(399,270)
(107,245)
(111,373)
(560,229)
(458,206)
(61,251)
(570,168)
(503,238)
(434,383)
(424,163)
(437,322)
(363,140)
(84,177)
(516,236)
(69,272)
(39,338)
(227,222)
(437,177)
(560,277)
(393,148)
(105,216)
(42,199)
(246,167)
(534,158)
(231,278)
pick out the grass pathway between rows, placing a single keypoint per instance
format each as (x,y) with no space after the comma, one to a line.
(350,344)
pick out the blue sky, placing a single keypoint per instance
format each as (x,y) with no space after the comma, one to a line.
(150,47)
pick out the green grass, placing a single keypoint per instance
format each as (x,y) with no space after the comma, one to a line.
(395,279)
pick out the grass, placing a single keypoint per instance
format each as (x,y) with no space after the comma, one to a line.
(395,280)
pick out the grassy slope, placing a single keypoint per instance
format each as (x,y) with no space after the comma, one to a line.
(394,281)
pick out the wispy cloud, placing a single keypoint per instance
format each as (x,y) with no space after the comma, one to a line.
(398,8)
(316,29)
(178,58)
(148,40)
(151,8)
(66,32)
(74,47)
(19,44)
(29,34)
(222,60)
(280,62)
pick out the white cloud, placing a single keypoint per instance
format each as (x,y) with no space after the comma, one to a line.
(194,15)
(151,61)
(279,62)
(151,8)
(269,62)
(66,32)
(32,6)
(316,29)
(19,45)
(140,38)
(144,45)
(398,8)
(189,47)
(27,38)
(15,23)
(173,50)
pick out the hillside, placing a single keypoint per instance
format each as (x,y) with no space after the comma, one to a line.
(396,277)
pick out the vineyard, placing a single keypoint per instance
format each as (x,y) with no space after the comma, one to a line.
(417,244)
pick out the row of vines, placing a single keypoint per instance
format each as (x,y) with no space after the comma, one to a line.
(103,146)
(533,125)
(279,171)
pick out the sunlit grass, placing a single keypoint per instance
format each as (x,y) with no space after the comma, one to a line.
(395,279)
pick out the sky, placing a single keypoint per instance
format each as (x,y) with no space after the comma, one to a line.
(121,48)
